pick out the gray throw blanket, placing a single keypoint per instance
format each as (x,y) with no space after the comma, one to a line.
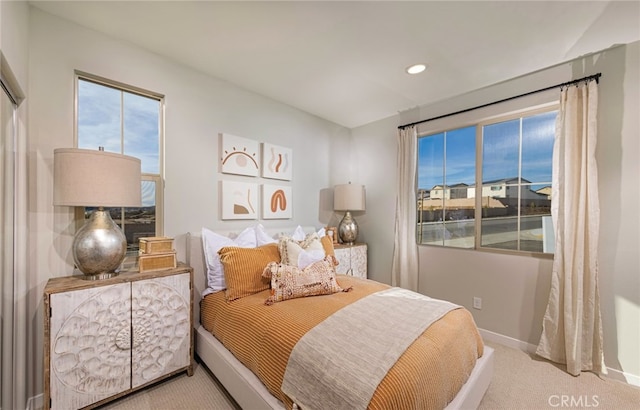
(340,362)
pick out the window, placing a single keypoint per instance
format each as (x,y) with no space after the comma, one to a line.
(511,208)
(128,121)
(446,173)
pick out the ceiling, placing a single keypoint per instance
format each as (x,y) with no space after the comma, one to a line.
(345,61)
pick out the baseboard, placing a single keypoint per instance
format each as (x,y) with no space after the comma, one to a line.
(613,374)
(507,341)
(624,377)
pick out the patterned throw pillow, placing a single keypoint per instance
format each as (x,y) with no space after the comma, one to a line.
(290,282)
(301,253)
(243,269)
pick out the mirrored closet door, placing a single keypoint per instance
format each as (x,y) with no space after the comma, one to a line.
(8,109)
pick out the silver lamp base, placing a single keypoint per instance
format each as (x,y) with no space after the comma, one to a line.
(348,229)
(99,247)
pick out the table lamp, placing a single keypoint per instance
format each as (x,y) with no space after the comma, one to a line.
(348,197)
(100,179)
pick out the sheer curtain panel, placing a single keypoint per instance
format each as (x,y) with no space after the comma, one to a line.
(405,253)
(572,326)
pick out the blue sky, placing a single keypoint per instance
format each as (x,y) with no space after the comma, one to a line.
(101,123)
(501,153)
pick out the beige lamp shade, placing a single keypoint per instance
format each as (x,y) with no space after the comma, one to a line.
(84,177)
(349,197)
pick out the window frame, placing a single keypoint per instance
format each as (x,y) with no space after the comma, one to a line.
(499,113)
(157,179)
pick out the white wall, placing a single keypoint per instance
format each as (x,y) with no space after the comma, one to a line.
(515,288)
(374,152)
(198,107)
(14,38)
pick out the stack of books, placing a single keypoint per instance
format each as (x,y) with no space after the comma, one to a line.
(156,253)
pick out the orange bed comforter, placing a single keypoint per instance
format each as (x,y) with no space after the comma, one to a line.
(427,376)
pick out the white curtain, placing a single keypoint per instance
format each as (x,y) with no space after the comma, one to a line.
(405,252)
(572,327)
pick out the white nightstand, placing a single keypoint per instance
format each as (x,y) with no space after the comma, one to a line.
(352,259)
(104,339)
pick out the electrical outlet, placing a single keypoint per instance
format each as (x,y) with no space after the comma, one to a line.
(477,303)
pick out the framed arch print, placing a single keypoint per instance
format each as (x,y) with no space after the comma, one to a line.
(277,202)
(240,156)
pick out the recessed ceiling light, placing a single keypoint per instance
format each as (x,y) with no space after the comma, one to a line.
(416,68)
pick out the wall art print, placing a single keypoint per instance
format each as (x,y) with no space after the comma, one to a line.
(277,162)
(239,200)
(277,202)
(239,155)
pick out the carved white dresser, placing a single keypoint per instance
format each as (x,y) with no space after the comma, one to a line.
(352,259)
(104,339)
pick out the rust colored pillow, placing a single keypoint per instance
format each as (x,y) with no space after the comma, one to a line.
(327,244)
(243,269)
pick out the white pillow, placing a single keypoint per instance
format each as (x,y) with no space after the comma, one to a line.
(298,234)
(262,237)
(212,243)
(306,258)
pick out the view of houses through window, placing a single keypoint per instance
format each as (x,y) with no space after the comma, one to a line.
(511,208)
(128,121)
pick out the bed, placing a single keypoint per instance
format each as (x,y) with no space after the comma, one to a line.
(246,388)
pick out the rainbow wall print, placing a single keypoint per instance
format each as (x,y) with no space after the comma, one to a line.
(277,202)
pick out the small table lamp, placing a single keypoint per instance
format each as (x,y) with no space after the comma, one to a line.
(348,197)
(98,179)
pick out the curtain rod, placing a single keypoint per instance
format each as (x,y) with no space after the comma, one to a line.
(586,79)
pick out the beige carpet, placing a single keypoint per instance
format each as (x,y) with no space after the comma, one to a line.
(181,392)
(523,381)
(520,381)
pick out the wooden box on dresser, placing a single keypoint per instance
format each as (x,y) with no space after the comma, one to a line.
(104,339)
(352,259)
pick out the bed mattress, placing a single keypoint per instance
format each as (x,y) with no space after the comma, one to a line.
(427,376)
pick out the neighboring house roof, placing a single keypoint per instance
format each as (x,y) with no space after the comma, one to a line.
(491,182)
(506,181)
(458,185)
